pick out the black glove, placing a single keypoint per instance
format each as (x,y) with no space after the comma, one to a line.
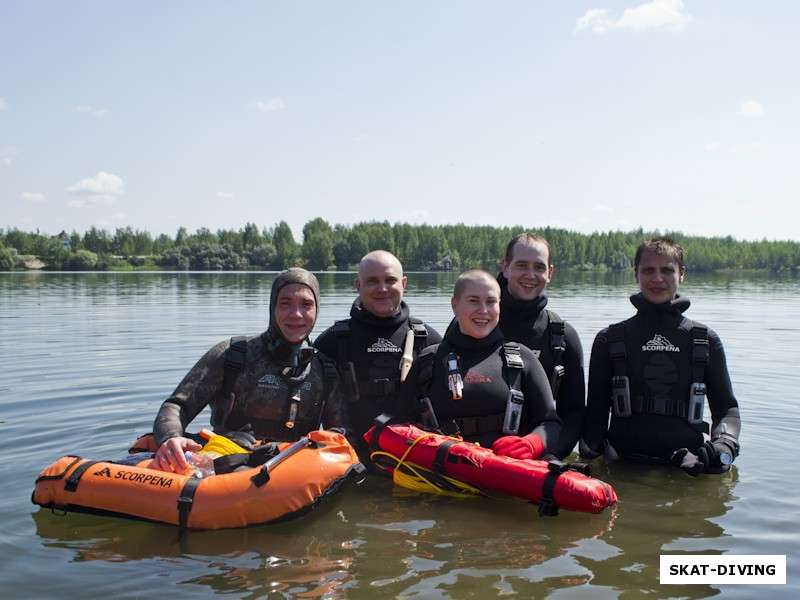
(704,459)
(691,463)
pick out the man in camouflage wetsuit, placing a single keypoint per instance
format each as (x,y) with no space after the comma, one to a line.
(283,388)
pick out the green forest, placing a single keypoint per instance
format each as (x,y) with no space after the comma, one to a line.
(328,247)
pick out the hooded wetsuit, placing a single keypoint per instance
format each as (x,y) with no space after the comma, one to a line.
(275,373)
(658,347)
(527,322)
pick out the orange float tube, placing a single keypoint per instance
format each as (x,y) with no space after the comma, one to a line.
(230,500)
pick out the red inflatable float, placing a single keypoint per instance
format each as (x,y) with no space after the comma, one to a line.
(552,485)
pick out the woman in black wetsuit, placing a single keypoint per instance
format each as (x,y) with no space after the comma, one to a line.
(491,392)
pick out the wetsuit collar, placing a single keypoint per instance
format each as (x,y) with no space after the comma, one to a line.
(292,357)
(526,310)
(362,315)
(461,342)
(674,307)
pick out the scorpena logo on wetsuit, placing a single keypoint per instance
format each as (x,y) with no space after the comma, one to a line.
(383,345)
(660,344)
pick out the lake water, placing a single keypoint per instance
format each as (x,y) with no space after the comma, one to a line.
(87,359)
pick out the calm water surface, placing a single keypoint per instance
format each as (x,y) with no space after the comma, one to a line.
(88,358)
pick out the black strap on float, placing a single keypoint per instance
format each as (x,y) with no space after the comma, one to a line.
(75,460)
(442,453)
(74,478)
(558,343)
(381,421)
(185,501)
(555,469)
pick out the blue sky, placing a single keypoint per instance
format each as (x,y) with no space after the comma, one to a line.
(590,115)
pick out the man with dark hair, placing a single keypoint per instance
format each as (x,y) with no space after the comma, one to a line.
(527,269)
(654,372)
(375,347)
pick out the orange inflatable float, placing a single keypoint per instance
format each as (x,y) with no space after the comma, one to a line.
(289,484)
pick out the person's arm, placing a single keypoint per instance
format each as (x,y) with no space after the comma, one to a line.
(571,400)
(197,390)
(726,422)
(598,401)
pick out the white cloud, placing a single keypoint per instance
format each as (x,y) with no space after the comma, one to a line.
(120,216)
(5,161)
(271,105)
(76,203)
(713,147)
(224,195)
(650,15)
(602,208)
(102,186)
(361,138)
(595,19)
(3,104)
(92,110)
(32,197)
(751,108)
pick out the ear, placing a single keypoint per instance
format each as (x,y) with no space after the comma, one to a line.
(682,274)
(550,271)
(404,281)
(356,284)
(453,302)
(504,264)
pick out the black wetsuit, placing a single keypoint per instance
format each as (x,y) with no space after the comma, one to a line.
(528,322)
(262,394)
(659,350)
(479,413)
(374,346)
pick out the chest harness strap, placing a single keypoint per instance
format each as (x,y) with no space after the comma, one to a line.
(515,399)
(692,410)
(559,345)
(235,359)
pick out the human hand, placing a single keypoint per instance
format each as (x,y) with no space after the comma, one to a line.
(521,448)
(170,454)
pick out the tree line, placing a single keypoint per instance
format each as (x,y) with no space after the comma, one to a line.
(325,246)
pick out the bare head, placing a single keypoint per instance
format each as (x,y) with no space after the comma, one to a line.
(380,283)
(527,266)
(476,303)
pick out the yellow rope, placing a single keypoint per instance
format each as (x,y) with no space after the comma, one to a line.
(419,478)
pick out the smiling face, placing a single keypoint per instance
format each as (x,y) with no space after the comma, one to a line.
(380,283)
(528,271)
(659,276)
(477,307)
(295,312)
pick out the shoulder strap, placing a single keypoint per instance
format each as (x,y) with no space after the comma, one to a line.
(341,330)
(700,351)
(557,337)
(512,357)
(420,333)
(425,362)
(235,358)
(616,349)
